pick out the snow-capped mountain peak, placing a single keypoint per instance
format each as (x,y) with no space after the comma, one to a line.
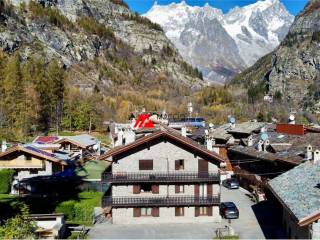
(223,44)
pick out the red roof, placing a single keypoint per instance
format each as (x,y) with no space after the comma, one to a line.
(291,129)
(144,121)
(45,139)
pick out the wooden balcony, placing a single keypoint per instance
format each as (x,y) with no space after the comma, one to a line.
(161,177)
(160,201)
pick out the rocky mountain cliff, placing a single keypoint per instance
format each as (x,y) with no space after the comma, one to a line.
(64,29)
(222,45)
(292,70)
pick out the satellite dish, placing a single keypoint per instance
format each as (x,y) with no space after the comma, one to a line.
(211,125)
(232,120)
(206,132)
(264,136)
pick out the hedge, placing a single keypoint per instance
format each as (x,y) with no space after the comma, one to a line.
(6,177)
(67,208)
(81,210)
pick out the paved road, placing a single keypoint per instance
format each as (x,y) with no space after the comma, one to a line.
(246,226)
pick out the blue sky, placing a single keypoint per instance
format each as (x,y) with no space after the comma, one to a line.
(142,6)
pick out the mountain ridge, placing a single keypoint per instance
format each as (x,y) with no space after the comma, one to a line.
(249,33)
(292,71)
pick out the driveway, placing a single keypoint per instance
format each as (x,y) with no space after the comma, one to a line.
(246,226)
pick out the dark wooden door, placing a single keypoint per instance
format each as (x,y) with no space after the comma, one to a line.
(203,168)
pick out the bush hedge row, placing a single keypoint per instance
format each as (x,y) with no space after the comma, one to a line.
(6,177)
(80,210)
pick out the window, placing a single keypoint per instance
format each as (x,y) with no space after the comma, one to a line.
(145,164)
(146,187)
(179,188)
(146,211)
(28,157)
(203,211)
(179,164)
(179,211)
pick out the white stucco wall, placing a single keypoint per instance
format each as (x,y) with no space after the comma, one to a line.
(47,171)
(166,215)
(316,230)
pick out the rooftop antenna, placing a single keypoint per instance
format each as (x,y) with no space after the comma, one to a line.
(190,109)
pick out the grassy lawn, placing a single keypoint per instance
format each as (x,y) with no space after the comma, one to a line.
(228,237)
(7,198)
(80,210)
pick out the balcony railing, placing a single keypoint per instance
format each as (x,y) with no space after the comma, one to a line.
(164,201)
(161,177)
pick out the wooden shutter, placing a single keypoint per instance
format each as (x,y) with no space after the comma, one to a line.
(155,189)
(196,211)
(203,166)
(177,212)
(209,211)
(209,190)
(136,189)
(177,188)
(145,164)
(155,212)
(177,164)
(137,212)
(197,190)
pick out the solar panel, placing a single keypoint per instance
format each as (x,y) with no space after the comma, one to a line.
(40,151)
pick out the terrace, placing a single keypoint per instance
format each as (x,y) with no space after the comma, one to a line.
(161,177)
(161,201)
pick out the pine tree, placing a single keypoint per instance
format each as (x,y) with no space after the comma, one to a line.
(56,85)
(14,94)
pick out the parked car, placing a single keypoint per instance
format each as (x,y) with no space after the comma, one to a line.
(229,210)
(231,183)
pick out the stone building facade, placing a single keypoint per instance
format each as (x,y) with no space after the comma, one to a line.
(163,178)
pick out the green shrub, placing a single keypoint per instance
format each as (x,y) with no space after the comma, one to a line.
(67,208)
(6,177)
(143,20)
(91,26)
(81,210)
(49,14)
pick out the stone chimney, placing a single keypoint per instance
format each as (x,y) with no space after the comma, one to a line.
(309,153)
(120,138)
(316,156)
(265,145)
(3,146)
(184,131)
(250,141)
(209,144)
(260,144)
(292,119)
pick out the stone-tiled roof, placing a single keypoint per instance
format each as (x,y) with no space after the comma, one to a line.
(287,148)
(299,189)
(247,127)
(83,140)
